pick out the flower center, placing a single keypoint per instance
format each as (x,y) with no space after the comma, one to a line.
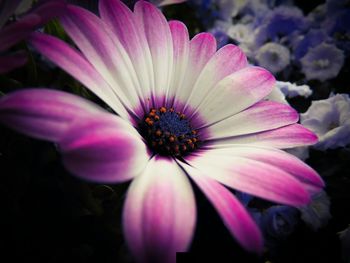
(168,132)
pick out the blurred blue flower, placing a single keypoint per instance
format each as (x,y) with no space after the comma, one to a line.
(338,27)
(335,6)
(317,16)
(207,11)
(279,24)
(221,37)
(273,56)
(322,62)
(317,213)
(312,39)
(279,221)
(274,3)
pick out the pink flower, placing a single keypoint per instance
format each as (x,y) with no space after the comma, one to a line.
(14,32)
(185,111)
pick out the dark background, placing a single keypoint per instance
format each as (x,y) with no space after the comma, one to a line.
(47,215)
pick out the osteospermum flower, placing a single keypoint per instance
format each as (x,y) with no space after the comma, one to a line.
(183,111)
(11,34)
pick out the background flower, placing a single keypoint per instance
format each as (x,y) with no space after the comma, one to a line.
(322,62)
(273,56)
(330,120)
(14,32)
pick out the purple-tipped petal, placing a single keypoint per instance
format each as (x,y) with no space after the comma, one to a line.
(250,83)
(253,177)
(232,212)
(280,159)
(103,149)
(105,52)
(154,26)
(290,136)
(43,113)
(262,116)
(226,61)
(181,45)
(159,212)
(202,48)
(122,22)
(12,61)
(75,64)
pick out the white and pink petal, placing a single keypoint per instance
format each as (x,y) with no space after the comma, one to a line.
(104,51)
(103,149)
(235,93)
(225,61)
(262,116)
(159,212)
(73,62)
(256,178)
(122,23)
(280,159)
(181,46)
(153,25)
(232,212)
(44,113)
(202,48)
(289,136)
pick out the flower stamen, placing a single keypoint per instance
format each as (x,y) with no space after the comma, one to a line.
(168,132)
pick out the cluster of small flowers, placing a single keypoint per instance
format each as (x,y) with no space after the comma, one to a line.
(295,46)
(278,36)
(308,49)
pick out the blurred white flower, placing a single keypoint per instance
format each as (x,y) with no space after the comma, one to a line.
(330,120)
(273,56)
(291,90)
(242,33)
(317,213)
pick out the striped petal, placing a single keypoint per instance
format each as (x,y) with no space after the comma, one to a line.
(43,113)
(232,212)
(76,65)
(103,149)
(239,90)
(122,22)
(104,51)
(155,28)
(289,136)
(262,116)
(226,61)
(202,48)
(252,177)
(159,212)
(181,47)
(280,159)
